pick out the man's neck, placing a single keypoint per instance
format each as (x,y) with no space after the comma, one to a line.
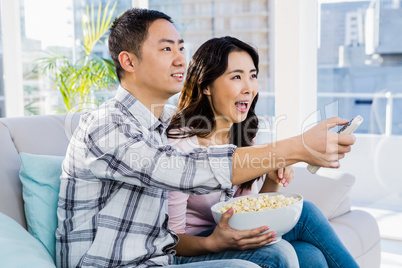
(154,104)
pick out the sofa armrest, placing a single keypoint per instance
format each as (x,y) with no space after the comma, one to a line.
(359,232)
(328,189)
(19,248)
(11,202)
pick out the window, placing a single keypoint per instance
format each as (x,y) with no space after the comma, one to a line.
(43,32)
(60,31)
(360,62)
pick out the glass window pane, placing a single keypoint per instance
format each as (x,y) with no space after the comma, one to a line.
(397,119)
(39,36)
(46,34)
(360,61)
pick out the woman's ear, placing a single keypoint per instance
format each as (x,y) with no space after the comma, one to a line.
(207,91)
(127,61)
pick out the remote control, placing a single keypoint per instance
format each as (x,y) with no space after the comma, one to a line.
(349,128)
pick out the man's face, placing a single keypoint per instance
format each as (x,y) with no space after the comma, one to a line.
(161,69)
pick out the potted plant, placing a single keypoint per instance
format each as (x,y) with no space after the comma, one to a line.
(77,80)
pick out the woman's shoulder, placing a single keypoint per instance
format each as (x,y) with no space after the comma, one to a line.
(184,144)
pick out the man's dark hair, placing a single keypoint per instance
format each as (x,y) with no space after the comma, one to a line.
(129,31)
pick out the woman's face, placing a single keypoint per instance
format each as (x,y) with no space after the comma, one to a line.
(232,93)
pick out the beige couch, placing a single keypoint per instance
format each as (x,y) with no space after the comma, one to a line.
(49,135)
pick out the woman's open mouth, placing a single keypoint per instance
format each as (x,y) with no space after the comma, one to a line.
(242,106)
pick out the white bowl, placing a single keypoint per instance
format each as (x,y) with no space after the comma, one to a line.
(281,220)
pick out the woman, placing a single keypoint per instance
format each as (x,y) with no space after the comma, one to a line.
(217,107)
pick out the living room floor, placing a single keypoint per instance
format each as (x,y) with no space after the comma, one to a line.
(388,213)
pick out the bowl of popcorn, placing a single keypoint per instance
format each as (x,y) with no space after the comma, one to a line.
(279,211)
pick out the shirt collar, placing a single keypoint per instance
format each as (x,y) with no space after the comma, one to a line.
(141,113)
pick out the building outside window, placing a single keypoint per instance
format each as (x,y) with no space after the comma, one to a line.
(360,62)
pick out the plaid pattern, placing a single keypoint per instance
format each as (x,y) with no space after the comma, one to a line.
(112,208)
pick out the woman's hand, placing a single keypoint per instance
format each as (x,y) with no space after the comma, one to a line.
(224,237)
(272,180)
(284,176)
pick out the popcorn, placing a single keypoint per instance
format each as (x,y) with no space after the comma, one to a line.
(259,203)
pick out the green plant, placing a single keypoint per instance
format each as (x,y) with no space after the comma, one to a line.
(76,80)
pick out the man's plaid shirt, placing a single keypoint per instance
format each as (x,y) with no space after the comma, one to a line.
(112,208)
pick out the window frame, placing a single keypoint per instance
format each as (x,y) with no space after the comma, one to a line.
(294,39)
(12,59)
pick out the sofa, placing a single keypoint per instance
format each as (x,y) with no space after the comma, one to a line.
(31,152)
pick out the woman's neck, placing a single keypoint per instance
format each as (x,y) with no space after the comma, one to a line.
(219,136)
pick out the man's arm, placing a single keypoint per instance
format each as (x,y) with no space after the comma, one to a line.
(116,148)
(119,151)
(318,146)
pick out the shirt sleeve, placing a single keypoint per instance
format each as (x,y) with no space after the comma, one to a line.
(177,211)
(118,149)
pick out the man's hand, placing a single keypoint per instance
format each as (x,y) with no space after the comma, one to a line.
(317,146)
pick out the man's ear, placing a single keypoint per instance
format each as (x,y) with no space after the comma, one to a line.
(127,61)
(206,91)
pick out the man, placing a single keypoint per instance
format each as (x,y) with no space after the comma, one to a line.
(112,206)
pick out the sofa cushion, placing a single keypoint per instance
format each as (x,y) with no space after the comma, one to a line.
(19,248)
(38,134)
(40,177)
